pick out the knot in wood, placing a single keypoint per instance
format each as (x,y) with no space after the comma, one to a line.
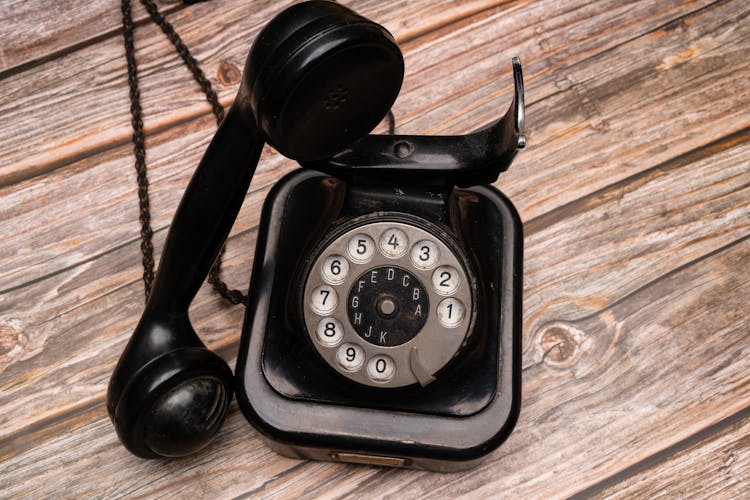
(9,338)
(559,345)
(228,74)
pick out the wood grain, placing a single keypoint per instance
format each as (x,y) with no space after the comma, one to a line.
(580,414)
(636,197)
(33,31)
(655,221)
(83,79)
(42,141)
(38,30)
(552,183)
(716,460)
(91,325)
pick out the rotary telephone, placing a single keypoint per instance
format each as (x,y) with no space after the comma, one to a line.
(383,323)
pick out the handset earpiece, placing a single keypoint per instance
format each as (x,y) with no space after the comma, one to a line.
(317,78)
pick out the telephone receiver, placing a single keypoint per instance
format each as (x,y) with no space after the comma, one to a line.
(318,79)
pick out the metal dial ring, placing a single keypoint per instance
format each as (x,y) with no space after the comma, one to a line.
(388,303)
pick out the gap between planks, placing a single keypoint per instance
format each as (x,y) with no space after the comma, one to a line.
(139,20)
(699,437)
(702,152)
(665,27)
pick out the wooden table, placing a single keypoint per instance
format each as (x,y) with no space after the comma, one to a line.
(634,191)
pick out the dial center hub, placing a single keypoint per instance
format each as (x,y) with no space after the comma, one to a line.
(387,306)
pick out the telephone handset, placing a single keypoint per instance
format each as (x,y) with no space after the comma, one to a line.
(383,318)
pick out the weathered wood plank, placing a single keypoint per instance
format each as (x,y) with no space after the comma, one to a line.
(89,87)
(541,33)
(34,30)
(639,347)
(115,219)
(636,330)
(81,124)
(94,306)
(79,213)
(74,335)
(654,221)
(715,464)
(535,183)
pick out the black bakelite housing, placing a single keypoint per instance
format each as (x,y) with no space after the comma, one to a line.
(304,409)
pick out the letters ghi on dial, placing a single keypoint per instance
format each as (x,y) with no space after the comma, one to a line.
(388,306)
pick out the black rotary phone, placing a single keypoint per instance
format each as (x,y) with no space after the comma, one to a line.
(383,322)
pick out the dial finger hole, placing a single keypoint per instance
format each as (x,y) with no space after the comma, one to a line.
(360,248)
(330,331)
(425,254)
(451,312)
(324,300)
(381,368)
(445,280)
(335,269)
(350,357)
(393,243)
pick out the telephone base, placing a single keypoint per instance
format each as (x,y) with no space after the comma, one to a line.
(305,409)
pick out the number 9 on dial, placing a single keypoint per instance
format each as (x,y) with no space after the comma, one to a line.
(350,356)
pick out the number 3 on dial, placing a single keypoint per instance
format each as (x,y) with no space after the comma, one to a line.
(424,254)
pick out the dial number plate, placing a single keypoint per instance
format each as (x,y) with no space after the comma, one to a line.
(388,304)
